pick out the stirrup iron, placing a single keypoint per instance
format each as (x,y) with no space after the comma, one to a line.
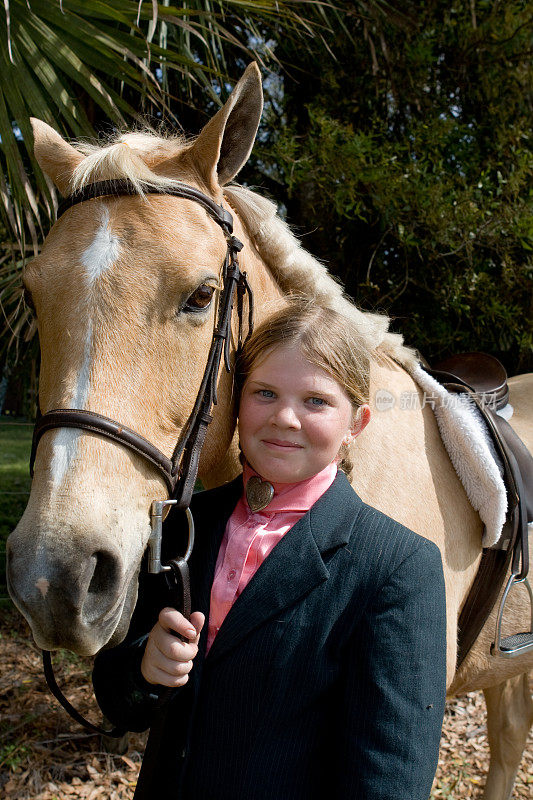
(518,643)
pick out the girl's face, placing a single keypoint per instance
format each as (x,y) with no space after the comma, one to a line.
(294,417)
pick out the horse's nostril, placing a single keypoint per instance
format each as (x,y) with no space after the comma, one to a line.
(105,573)
(102,588)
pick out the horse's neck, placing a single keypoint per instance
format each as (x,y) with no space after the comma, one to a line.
(267,294)
(402,468)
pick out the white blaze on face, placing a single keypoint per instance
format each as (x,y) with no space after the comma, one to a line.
(103,252)
(96,259)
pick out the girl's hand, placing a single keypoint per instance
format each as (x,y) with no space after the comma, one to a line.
(167,660)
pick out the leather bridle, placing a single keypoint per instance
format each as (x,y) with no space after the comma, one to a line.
(181,469)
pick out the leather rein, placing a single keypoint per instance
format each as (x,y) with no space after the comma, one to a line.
(181,469)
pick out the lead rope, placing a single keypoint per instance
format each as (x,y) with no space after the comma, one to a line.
(115,733)
(180,593)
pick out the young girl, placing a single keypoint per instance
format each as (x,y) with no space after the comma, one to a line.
(321,671)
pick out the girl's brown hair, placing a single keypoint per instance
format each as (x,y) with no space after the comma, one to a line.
(326,338)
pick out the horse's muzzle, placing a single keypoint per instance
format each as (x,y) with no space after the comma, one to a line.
(70,598)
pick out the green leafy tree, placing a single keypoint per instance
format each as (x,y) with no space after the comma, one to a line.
(407,162)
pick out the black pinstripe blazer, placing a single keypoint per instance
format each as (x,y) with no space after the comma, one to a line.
(326,679)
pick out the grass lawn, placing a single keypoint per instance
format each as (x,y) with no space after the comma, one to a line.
(15,446)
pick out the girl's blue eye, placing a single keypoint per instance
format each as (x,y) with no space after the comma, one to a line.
(317,401)
(265,393)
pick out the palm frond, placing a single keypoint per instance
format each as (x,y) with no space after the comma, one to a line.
(53,53)
(16,319)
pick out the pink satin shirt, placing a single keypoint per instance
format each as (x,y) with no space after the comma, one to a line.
(249,538)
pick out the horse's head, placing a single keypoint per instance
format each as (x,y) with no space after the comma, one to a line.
(125,296)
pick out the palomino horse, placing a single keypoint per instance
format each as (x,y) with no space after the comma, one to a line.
(124,291)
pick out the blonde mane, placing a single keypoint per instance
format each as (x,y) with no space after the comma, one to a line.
(297,272)
(136,156)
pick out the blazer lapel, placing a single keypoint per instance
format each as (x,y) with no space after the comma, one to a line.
(293,568)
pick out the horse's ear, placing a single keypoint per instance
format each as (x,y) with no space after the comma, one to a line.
(224,145)
(56,157)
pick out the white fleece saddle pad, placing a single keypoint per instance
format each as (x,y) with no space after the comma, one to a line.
(471,452)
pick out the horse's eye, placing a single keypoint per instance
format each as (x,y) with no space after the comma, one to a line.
(200,298)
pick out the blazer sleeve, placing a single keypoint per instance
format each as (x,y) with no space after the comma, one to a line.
(393,692)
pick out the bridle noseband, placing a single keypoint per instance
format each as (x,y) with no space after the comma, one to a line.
(180,471)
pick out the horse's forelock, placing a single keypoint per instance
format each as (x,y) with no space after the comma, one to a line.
(134,156)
